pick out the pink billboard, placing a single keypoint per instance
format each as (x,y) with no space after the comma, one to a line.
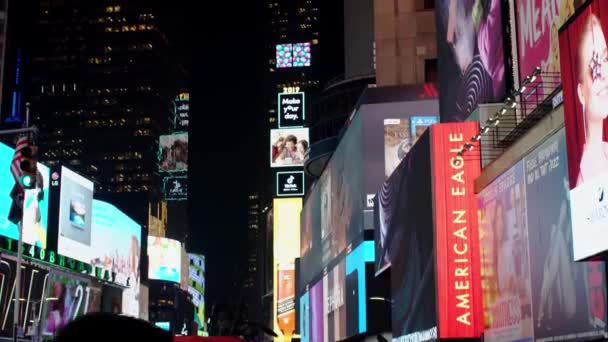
(538,22)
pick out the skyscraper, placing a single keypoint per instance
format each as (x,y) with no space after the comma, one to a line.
(102,82)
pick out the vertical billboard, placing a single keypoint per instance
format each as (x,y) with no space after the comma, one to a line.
(471,56)
(288,146)
(532,287)
(291,109)
(75,215)
(196,287)
(408,245)
(286,247)
(181,112)
(584,77)
(36,203)
(460,309)
(173,152)
(164,259)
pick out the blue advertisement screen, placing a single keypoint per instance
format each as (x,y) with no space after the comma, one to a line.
(356,301)
(36,206)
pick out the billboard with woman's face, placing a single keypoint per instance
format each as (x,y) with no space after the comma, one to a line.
(288,146)
(584,64)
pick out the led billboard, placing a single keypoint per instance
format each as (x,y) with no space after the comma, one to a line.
(290,184)
(164,259)
(460,309)
(293,55)
(175,188)
(173,152)
(286,237)
(470,52)
(288,146)
(419,124)
(75,216)
(196,287)
(181,112)
(36,203)
(583,64)
(532,287)
(291,109)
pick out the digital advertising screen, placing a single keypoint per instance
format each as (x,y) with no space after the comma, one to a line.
(175,188)
(164,259)
(163,325)
(173,152)
(537,37)
(291,109)
(305,317)
(36,203)
(286,248)
(181,112)
(288,146)
(318,319)
(75,216)
(196,286)
(293,55)
(334,287)
(470,53)
(290,184)
(533,288)
(284,55)
(582,43)
(356,290)
(458,269)
(68,298)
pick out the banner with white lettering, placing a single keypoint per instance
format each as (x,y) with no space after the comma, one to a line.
(457,240)
(291,110)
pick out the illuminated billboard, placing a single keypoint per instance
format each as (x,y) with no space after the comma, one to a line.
(288,146)
(164,259)
(291,109)
(181,112)
(290,183)
(286,247)
(75,216)
(583,66)
(196,287)
(470,53)
(460,309)
(293,55)
(173,152)
(532,287)
(36,203)
(175,188)
(430,240)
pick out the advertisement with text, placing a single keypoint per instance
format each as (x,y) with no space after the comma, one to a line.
(164,259)
(584,62)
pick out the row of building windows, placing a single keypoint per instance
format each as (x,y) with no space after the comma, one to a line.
(122,122)
(138,177)
(123,156)
(129,28)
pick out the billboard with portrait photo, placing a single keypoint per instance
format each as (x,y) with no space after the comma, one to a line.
(505,258)
(569,298)
(173,152)
(470,56)
(584,62)
(397,143)
(288,146)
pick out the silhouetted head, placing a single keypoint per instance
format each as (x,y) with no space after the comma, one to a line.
(111,327)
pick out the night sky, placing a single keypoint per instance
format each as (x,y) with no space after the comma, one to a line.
(224,48)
